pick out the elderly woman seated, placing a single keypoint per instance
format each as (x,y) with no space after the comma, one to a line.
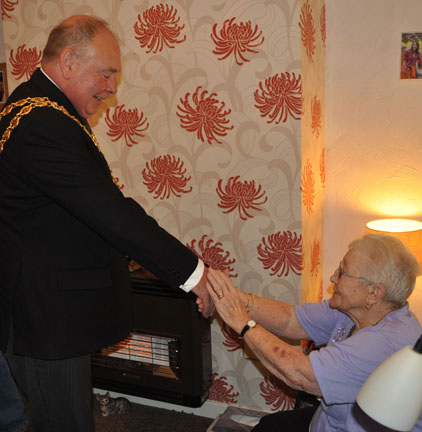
(365,321)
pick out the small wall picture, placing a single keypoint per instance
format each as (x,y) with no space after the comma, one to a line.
(4,93)
(411,56)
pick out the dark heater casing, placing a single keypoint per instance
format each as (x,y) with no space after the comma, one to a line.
(170,314)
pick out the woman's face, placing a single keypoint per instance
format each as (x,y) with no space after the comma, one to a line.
(350,292)
(414,46)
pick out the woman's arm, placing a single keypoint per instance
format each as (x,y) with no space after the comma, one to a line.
(275,316)
(283,360)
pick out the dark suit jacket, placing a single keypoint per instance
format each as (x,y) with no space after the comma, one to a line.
(65,229)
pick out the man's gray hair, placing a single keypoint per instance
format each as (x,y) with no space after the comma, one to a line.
(76,32)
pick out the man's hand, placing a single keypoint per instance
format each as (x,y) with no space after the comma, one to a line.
(204,301)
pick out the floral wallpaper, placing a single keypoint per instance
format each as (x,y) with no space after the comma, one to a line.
(205,133)
(313,34)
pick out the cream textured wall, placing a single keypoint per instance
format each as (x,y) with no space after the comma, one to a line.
(205,134)
(373,121)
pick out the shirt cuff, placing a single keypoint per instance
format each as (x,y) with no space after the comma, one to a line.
(194,278)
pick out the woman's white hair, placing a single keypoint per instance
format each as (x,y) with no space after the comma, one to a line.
(388,262)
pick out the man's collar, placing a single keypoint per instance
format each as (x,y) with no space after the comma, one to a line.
(45,74)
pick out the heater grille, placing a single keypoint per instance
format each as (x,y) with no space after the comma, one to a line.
(158,355)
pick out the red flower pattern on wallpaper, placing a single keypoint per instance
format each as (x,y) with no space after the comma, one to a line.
(322,167)
(164,176)
(320,292)
(280,96)
(307,28)
(8,6)
(277,394)
(236,39)
(239,195)
(281,252)
(220,391)
(213,254)
(205,116)
(126,123)
(323,24)
(316,116)
(315,257)
(308,187)
(159,27)
(232,340)
(25,62)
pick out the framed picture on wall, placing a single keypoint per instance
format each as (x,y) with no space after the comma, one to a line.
(4,92)
(411,55)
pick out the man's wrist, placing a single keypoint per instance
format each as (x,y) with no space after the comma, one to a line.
(194,278)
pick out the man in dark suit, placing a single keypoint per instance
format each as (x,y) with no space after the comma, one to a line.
(66,228)
(12,412)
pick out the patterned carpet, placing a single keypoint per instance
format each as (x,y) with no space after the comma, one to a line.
(143,418)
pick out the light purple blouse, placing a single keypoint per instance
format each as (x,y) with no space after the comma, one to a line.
(345,363)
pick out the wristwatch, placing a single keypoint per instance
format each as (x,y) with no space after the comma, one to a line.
(248,326)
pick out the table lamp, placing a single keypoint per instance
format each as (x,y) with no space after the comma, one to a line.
(409,231)
(392,395)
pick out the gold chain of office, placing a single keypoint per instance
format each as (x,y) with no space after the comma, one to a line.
(28,104)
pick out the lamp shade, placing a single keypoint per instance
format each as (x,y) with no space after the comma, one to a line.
(407,230)
(392,395)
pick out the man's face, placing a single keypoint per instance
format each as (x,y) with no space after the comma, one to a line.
(94,78)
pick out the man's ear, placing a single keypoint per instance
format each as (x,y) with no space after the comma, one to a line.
(68,63)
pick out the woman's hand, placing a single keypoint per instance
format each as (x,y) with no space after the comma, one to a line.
(227,300)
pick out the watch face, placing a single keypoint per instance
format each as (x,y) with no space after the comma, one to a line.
(251,323)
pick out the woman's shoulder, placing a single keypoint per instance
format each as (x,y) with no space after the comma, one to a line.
(397,329)
(402,319)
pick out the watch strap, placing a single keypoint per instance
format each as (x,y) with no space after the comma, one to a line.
(247,327)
